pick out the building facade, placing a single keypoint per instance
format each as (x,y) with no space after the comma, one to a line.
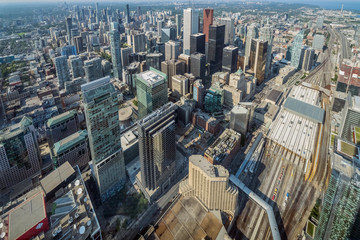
(230,56)
(62,71)
(115,53)
(191,26)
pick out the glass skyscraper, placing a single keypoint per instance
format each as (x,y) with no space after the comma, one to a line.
(115,53)
(296,49)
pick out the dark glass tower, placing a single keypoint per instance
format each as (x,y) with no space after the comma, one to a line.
(216,45)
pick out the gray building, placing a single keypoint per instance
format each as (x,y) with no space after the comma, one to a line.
(138,42)
(229,30)
(180,85)
(125,53)
(239,119)
(318,42)
(100,101)
(230,57)
(266,34)
(198,63)
(76,65)
(154,60)
(197,43)
(308,59)
(62,70)
(296,50)
(93,69)
(115,53)
(172,50)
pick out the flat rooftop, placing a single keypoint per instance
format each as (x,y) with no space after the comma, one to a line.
(274,95)
(303,109)
(305,94)
(61,118)
(56,177)
(70,141)
(151,78)
(26,216)
(208,168)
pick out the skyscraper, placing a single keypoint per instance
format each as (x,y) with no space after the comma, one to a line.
(318,42)
(115,53)
(216,45)
(229,62)
(252,32)
(160,25)
(308,60)
(102,121)
(197,43)
(266,34)
(198,93)
(191,26)
(157,149)
(76,65)
(171,68)
(172,50)
(178,24)
(229,30)
(68,28)
(296,49)
(97,13)
(127,14)
(19,154)
(257,59)
(78,41)
(167,34)
(208,20)
(93,69)
(198,62)
(154,60)
(320,22)
(62,70)
(138,42)
(151,88)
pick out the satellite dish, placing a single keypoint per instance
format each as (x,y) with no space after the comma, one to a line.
(79,191)
(69,186)
(1,224)
(85,199)
(88,223)
(82,230)
(2,235)
(77,182)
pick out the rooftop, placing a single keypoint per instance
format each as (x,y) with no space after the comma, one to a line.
(208,168)
(61,118)
(66,143)
(306,110)
(26,216)
(274,96)
(152,78)
(56,177)
(125,113)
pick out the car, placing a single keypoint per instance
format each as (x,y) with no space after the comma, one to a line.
(273,197)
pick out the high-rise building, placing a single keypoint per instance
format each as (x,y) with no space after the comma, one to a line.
(167,34)
(19,154)
(115,53)
(127,14)
(208,20)
(197,43)
(180,85)
(178,24)
(76,65)
(78,44)
(198,93)
(210,184)
(97,13)
(157,149)
(266,34)
(102,120)
(171,68)
(198,62)
(216,45)
(152,91)
(318,42)
(68,50)
(138,42)
(239,119)
(93,69)
(229,30)
(230,56)
(320,22)
(308,60)
(172,50)
(296,49)
(257,61)
(125,56)
(186,59)
(252,33)
(154,60)
(62,71)
(191,26)
(69,26)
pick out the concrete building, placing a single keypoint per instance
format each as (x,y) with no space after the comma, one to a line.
(208,15)
(105,67)
(216,46)
(318,42)
(157,151)
(210,184)
(178,24)
(76,65)
(171,68)
(73,149)
(197,43)
(224,148)
(114,36)
(198,63)
(252,33)
(19,154)
(78,41)
(297,45)
(320,22)
(199,93)
(138,42)
(154,60)
(180,85)
(232,96)
(239,119)
(230,56)
(100,101)
(151,87)
(69,26)
(267,34)
(308,59)
(62,71)
(186,59)
(125,53)
(258,57)
(62,126)
(229,30)
(93,69)
(191,26)
(172,50)
(168,34)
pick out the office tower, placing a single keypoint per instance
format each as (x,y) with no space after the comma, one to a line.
(105,67)
(308,60)
(19,154)
(151,88)
(93,69)
(127,14)
(68,50)
(172,50)
(76,65)
(138,11)
(114,26)
(266,34)
(229,30)
(154,60)
(198,93)
(178,24)
(73,149)
(102,121)
(320,22)
(171,68)
(115,53)
(138,42)
(239,119)
(216,45)
(157,149)
(318,42)
(198,62)
(257,61)
(191,26)
(208,20)
(125,54)
(168,34)
(186,60)
(252,33)
(78,44)
(197,43)
(97,13)
(229,62)
(68,24)
(62,71)
(210,184)
(160,25)
(296,49)
(180,85)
